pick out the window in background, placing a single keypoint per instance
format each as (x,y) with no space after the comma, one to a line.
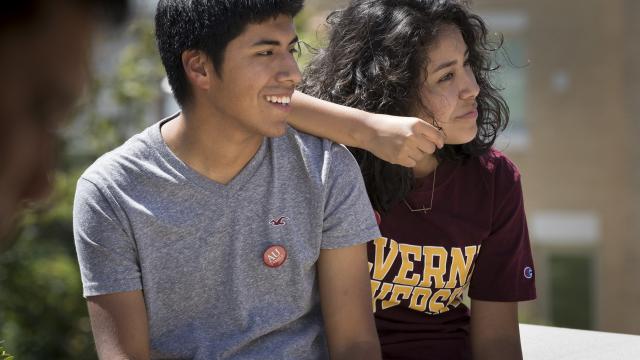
(565,243)
(571,279)
(513,60)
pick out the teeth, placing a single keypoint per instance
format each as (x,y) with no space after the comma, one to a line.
(279,99)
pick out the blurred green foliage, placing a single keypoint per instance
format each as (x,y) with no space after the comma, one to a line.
(311,30)
(4,355)
(42,312)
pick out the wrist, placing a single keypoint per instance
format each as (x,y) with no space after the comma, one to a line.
(364,132)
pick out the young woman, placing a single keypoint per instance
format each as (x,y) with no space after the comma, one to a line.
(456,218)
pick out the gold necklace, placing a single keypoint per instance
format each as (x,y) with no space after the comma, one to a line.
(433,188)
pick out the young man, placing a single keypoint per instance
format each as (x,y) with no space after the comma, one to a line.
(221,232)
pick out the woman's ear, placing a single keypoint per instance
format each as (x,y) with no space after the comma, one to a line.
(194,63)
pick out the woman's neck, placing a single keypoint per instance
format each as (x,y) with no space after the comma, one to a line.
(425,166)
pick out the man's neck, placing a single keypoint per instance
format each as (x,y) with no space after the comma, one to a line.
(210,146)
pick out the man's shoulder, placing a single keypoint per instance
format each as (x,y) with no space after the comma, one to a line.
(307,143)
(314,145)
(319,155)
(123,162)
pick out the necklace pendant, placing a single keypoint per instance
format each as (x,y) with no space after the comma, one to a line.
(422,209)
(433,190)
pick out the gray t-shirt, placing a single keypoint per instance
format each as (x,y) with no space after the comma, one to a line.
(143,220)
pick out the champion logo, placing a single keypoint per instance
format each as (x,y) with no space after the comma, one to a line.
(282,220)
(528,272)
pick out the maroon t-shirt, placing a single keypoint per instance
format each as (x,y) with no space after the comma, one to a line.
(475,235)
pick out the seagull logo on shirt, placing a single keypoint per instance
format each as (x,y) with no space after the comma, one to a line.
(279,221)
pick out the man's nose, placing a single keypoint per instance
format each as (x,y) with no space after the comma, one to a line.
(290,73)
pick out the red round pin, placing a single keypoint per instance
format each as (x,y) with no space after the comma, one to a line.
(274,256)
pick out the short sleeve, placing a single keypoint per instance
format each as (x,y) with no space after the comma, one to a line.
(106,252)
(504,268)
(348,216)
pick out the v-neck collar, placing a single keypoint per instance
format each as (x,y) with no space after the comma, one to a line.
(195,177)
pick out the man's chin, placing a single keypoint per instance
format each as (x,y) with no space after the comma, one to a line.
(276,131)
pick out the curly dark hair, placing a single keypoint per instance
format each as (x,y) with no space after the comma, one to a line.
(374,61)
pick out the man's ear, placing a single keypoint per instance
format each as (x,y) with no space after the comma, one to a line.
(195,67)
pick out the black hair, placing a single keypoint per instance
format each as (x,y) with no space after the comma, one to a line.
(374,61)
(207,25)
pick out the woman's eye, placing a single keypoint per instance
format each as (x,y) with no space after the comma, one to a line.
(447,77)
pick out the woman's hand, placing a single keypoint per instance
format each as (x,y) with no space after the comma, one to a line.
(401,140)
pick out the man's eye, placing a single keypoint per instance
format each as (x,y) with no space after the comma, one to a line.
(265,53)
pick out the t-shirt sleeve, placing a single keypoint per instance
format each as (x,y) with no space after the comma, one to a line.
(504,269)
(106,251)
(348,216)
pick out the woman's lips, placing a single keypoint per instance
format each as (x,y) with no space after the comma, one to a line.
(471,114)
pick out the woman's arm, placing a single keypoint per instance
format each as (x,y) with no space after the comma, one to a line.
(398,140)
(495,333)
